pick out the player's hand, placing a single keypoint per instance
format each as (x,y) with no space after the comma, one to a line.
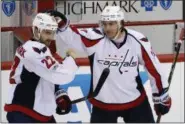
(162,103)
(72,53)
(63,101)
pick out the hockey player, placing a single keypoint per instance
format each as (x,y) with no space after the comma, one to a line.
(33,97)
(122,50)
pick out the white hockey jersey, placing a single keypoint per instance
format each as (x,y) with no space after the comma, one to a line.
(33,77)
(123,88)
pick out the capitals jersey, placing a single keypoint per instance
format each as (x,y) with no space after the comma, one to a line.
(34,77)
(123,88)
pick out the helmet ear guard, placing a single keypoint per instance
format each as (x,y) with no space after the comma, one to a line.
(36,32)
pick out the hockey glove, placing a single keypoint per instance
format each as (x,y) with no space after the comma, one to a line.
(62,20)
(63,101)
(162,103)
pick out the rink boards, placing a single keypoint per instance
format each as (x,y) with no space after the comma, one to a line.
(79,87)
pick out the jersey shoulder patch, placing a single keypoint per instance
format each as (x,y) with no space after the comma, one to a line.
(41,50)
(144,39)
(34,49)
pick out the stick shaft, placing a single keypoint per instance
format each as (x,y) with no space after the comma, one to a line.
(171,73)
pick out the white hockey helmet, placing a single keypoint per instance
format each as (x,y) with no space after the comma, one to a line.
(112,13)
(44,21)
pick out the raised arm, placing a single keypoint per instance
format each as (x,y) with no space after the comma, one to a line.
(83,40)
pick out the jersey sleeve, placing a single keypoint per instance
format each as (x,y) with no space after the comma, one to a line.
(45,66)
(148,58)
(83,40)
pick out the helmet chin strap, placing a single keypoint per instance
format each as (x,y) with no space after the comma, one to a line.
(118,32)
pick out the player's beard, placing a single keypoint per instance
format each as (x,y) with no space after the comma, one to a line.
(46,42)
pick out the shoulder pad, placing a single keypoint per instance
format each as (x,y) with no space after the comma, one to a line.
(139,36)
(136,34)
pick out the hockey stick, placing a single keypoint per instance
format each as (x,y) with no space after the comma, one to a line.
(123,62)
(101,81)
(177,49)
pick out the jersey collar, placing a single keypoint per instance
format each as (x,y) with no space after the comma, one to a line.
(124,41)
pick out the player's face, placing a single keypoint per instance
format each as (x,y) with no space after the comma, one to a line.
(110,28)
(46,36)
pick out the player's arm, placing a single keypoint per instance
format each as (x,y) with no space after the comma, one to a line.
(157,76)
(48,68)
(83,40)
(151,63)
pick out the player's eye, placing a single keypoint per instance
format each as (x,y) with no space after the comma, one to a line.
(48,32)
